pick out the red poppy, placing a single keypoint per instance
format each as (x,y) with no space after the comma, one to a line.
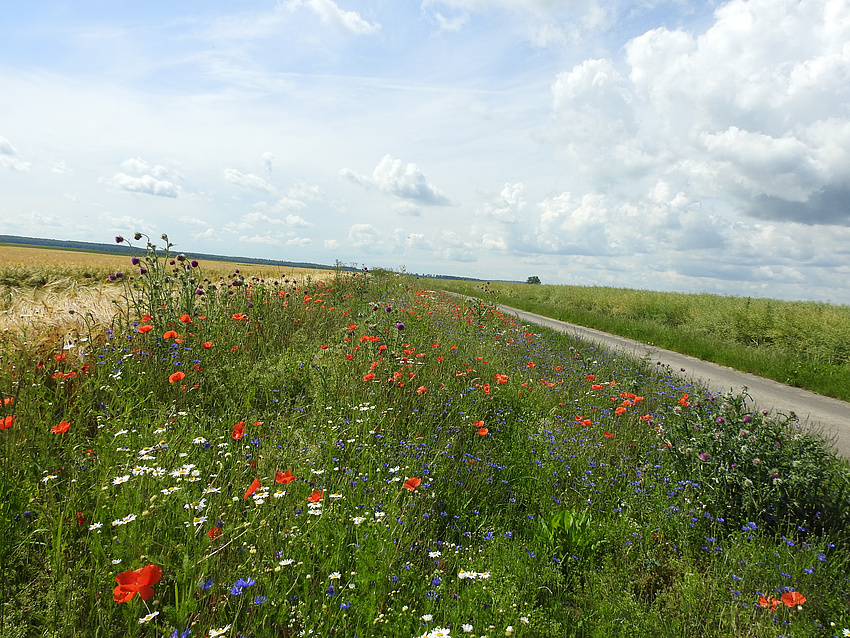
(255,485)
(590,377)
(421,389)
(620,410)
(683,401)
(206,345)
(412,483)
(235,348)
(793,598)
(238,316)
(177,376)
(238,431)
(80,517)
(169,334)
(145,328)
(214,532)
(8,400)
(482,431)
(146,317)
(185,318)
(61,356)
(608,435)
(530,364)
(501,379)
(478,424)
(369,377)
(316,496)
(61,427)
(284,477)
(137,581)
(771,603)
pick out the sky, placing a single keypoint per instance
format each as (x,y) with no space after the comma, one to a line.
(673,145)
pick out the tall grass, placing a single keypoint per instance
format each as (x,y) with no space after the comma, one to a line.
(357,456)
(802,344)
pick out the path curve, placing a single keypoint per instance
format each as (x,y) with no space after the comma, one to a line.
(824,415)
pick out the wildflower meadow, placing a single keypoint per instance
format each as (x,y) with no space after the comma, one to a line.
(354,455)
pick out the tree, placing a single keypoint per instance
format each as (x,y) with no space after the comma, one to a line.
(534,279)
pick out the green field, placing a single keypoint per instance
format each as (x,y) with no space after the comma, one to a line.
(356,456)
(802,344)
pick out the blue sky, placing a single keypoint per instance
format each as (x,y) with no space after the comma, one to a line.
(678,145)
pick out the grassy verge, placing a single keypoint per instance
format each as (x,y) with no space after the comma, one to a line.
(358,457)
(802,344)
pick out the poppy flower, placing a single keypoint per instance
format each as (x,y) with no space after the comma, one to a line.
(137,581)
(771,603)
(255,485)
(608,435)
(412,483)
(145,328)
(421,389)
(369,377)
(170,334)
(284,477)
(793,598)
(185,318)
(530,364)
(61,427)
(316,496)
(214,532)
(8,400)
(206,345)
(7,421)
(482,431)
(177,376)
(238,431)
(590,377)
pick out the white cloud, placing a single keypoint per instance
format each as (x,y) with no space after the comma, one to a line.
(305,192)
(508,206)
(401,179)
(268,158)
(331,244)
(407,209)
(139,165)
(248,181)
(208,235)
(145,184)
(295,221)
(192,221)
(265,240)
(298,241)
(331,13)
(364,236)
(8,157)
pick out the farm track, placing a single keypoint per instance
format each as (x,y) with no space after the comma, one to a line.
(828,417)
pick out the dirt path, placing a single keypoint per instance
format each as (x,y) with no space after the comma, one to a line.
(829,417)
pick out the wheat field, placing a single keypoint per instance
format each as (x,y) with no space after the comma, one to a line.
(51,295)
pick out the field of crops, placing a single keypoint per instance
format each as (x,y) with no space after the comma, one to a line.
(354,455)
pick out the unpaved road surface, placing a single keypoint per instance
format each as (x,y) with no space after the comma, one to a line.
(829,417)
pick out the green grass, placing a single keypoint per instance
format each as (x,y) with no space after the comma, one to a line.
(802,344)
(560,491)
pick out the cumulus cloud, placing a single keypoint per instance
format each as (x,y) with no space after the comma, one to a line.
(268,158)
(401,179)
(145,184)
(331,13)
(508,206)
(248,181)
(407,209)
(305,192)
(9,159)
